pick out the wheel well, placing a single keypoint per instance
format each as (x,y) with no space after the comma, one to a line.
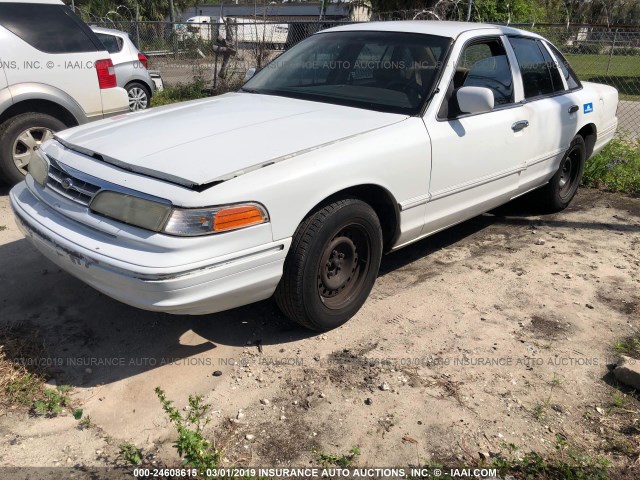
(589,133)
(382,202)
(144,84)
(40,106)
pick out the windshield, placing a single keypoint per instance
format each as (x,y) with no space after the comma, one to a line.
(384,71)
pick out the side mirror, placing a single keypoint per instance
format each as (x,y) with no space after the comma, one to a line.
(250,73)
(474,99)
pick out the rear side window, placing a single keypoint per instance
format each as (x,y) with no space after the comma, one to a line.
(48,28)
(112,43)
(565,69)
(536,74)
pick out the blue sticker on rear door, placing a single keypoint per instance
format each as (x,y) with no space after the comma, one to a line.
(588,107)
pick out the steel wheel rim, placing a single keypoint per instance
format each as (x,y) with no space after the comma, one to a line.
(137,99)
(343,266)
(24,146)
(569,172)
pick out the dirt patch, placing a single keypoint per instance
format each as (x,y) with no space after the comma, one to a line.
(620,299)
(495,332)
(548,327)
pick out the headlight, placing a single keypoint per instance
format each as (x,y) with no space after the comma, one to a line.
(132,210)
(192,222)
(38,167)
(185,222)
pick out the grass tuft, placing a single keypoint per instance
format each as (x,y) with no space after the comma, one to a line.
(181,92)
(616,168)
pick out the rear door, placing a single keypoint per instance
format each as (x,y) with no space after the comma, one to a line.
(550,108)
(51,45)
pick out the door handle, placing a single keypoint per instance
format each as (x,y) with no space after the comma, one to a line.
(522,124)
(573,109)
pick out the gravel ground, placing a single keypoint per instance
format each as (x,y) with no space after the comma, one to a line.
(498,330)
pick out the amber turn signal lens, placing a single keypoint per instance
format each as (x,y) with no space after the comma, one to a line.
(236,217)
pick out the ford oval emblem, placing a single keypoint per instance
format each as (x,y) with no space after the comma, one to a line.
(67,183)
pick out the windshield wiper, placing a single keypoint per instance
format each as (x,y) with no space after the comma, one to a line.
(248,90)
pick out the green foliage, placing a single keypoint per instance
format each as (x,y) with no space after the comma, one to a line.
(193,448)
(24,389)
(566,464)
(85,423)
(148,9)
(77,413)
(504,11)
(343,461)
(52,402)
(130,453)
(181,92)
(629,346)
(616,168)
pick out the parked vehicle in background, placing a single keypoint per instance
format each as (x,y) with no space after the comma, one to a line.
(54,74)
(246,31)
(130,65)
(357,141)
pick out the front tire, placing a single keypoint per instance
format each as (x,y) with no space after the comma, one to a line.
(19,136)
(332,265)
(562,187)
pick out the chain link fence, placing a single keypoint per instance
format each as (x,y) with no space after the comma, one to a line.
(609,55)
(220,53)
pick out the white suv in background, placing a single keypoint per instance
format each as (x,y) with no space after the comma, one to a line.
(54,74)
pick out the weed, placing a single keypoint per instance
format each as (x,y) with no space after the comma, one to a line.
(629,346)
(52,402)
(616,168)
(85,423)
(193,448)
(619,399)
(540,410)
(24,389)
(343,461)
(181,92)
(567,463)
(21,374)
(130,453)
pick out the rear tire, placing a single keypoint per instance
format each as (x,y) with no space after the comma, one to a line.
(139,96)
(18,137)
(332,265)
(558,193)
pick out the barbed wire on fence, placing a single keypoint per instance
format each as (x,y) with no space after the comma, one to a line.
(219,53)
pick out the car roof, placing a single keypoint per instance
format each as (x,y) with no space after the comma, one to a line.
(430,27)
(110,31)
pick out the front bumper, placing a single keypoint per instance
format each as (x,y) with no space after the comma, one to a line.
(225,282)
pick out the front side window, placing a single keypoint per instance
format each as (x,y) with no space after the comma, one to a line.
(49,28)
(384,71)
(537,78)
(481,64)
(112,43)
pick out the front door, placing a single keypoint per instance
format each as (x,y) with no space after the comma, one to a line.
(476,159)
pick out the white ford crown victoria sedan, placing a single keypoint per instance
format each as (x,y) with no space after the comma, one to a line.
(355,142)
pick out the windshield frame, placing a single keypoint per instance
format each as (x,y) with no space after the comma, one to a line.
(418,110)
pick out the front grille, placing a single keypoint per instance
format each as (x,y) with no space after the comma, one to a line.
(69,186)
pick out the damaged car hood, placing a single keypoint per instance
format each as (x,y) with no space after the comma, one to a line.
(205,141)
